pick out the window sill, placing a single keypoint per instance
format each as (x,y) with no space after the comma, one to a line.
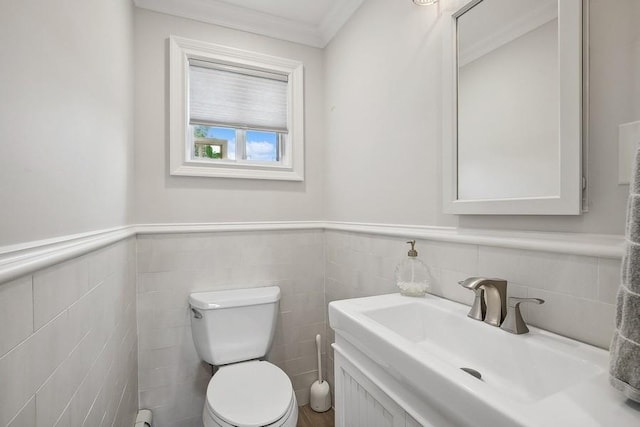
(276,173)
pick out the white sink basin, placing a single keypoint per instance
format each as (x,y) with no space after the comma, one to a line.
(534,379)
(527,367)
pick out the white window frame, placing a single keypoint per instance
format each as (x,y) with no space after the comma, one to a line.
(291,165)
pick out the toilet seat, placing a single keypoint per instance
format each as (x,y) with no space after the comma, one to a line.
(250,394)
(290,419)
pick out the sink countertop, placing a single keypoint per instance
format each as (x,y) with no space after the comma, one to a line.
(530,380)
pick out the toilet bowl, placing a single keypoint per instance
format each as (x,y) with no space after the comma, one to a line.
(250,394)
(233,330)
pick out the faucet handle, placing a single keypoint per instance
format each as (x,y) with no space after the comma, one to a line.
(515,301)
(514,322)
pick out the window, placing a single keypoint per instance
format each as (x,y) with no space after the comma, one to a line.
(234,113)
(237,143)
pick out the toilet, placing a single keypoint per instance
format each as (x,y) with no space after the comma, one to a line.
(234,330)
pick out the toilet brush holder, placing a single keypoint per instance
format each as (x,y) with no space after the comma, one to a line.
(320,395)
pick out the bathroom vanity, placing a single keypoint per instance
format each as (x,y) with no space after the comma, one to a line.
(399,360)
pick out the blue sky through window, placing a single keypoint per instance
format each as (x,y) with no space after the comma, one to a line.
(260,146)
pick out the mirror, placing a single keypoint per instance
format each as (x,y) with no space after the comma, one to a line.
(508,100)
(514,139)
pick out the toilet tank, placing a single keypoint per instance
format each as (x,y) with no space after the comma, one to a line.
(234,325)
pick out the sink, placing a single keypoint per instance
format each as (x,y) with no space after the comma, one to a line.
(534,379)
(526,367)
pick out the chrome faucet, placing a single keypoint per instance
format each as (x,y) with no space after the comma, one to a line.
(496,295)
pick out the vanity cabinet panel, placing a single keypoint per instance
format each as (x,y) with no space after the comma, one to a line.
(363,409)
(360,402)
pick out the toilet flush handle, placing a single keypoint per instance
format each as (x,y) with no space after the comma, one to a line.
(196,313)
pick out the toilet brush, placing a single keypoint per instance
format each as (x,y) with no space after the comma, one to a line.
(320,396)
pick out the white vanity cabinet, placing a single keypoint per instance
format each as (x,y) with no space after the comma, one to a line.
(367,396)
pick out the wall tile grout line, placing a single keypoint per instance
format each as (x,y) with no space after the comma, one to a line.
(32,334)
(21,409)
(33,304)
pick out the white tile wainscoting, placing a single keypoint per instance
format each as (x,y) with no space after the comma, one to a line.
(579,290)
(68,307)
(68,342)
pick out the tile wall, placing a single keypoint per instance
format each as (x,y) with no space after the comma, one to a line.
(172,379)
(69,354)
(68,343)
(579,291)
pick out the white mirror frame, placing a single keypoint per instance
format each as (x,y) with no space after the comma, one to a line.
(570,51)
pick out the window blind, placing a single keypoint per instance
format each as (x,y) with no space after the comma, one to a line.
(237,97)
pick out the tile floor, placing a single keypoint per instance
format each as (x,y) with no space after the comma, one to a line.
(308,418)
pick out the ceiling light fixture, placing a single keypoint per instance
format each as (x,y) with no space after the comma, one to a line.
(424,2)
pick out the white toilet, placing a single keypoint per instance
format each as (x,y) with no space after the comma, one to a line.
(232,330)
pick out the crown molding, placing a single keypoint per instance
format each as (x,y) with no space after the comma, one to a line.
(252,21)
(336,18)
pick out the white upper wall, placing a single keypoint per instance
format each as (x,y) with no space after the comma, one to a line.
(384,123)
(383,74)
(66,121)
(162,198)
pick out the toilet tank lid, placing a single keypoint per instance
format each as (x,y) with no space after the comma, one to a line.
(234,298)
